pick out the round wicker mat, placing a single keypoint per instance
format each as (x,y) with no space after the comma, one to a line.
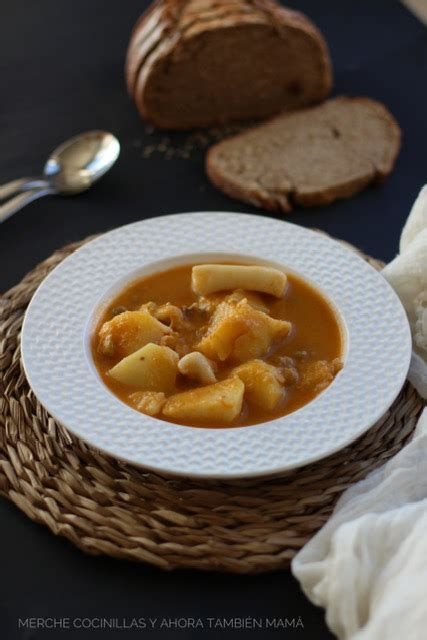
(106,507)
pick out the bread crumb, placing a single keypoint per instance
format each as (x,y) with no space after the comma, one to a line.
(185,146)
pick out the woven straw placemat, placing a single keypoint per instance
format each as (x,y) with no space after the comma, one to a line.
(106,507)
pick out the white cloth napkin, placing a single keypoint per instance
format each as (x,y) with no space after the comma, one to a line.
(407,274)
(368,565)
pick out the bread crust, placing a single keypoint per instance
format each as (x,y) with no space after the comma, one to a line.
(169,25)
(279,201)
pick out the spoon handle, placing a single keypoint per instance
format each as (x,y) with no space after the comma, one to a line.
(22,184)
(21,200)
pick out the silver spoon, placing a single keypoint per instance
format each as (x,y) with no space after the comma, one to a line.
(72,168)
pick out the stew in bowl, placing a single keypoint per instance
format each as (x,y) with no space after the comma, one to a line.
(218,345)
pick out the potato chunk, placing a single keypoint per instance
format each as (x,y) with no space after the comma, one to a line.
(206,305)
(129,331)
(317,374)
(215,404)
(208,278)
(254,299)
(148,402)
(239,332)
(263,383)
(197,367)
(152,367)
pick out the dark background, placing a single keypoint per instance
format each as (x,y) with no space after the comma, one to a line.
(61,72)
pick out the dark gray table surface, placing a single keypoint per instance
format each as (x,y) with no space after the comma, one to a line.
(61,72)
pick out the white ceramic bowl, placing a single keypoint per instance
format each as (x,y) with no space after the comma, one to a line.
(61,316)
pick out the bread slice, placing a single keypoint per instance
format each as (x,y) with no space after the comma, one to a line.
(308,157)
(197,63)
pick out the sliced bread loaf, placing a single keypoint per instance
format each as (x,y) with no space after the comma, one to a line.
(308,157)
(196,63)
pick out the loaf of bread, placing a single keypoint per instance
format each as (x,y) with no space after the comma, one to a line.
(308,157)
(199,63)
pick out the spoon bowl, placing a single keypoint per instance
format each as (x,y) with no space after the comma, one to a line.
(79,162)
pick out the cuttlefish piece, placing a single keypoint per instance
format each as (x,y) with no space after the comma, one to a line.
(197,367)
(209,278)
